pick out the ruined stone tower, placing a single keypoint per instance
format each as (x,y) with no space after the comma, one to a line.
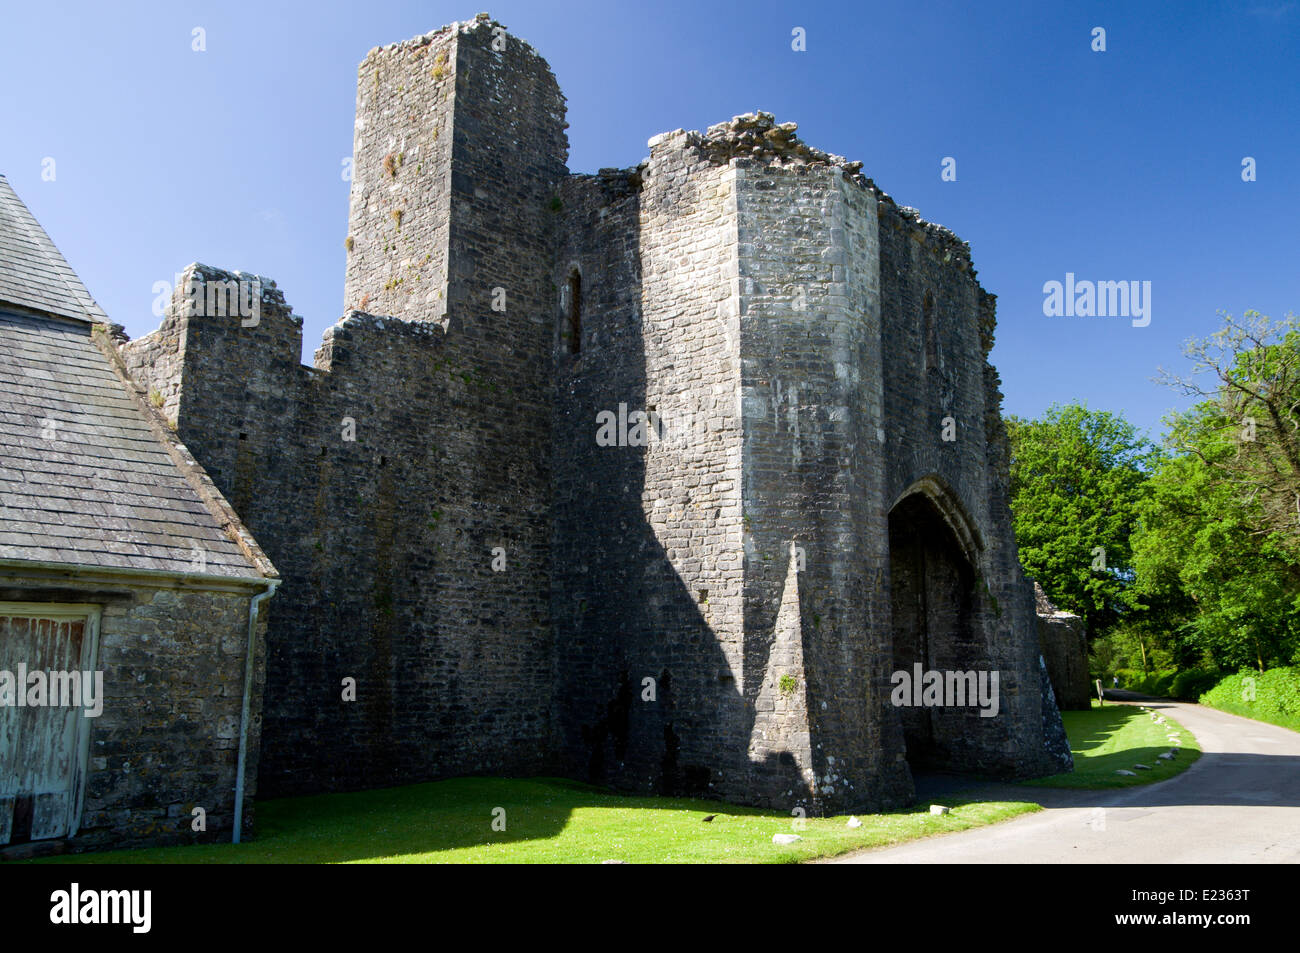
(652,477)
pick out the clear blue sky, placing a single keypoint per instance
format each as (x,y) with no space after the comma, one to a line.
(1122,165)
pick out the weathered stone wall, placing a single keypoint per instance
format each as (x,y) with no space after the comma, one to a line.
(797,342)
(1063,640)
(459,145)
(810,348)
(362,475)
(844,381)
(647,563)
(937,333)
(1064,645)
(388,478)
(398,221)
(690,494)
(155,362)
(167,741)
(600,543)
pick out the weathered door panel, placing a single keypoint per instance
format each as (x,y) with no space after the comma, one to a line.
(40,744)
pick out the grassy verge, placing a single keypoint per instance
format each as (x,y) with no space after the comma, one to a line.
(1109,738)
(1246,710)
(1273,696)
(547,821)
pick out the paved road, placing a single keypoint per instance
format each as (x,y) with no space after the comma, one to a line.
(1240,803)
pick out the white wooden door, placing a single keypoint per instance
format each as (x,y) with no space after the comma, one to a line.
(43,747)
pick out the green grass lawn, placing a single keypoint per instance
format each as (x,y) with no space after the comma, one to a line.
(1112,737)
(547,821)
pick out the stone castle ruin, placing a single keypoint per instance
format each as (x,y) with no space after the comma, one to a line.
(651,478)
(1063,640)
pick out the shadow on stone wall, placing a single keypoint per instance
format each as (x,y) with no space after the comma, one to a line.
(621,612)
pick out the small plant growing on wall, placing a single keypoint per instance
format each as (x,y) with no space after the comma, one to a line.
(788,684)
(396,215)
(348,243)
(156,398)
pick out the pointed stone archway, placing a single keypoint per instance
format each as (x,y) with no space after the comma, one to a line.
(933,553)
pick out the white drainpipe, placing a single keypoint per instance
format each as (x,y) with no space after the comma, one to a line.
(249,660)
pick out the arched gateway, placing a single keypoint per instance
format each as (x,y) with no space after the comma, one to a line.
(943,668)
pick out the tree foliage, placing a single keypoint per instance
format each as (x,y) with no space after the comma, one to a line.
(1245,430)
(1201,538)
(1218,546)
(1077,478)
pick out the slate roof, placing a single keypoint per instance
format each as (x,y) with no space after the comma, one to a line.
(32,271)
(85,480)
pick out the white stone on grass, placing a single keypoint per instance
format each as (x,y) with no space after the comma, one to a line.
(785,838)
(854,822)
(1131,774)
(938,809)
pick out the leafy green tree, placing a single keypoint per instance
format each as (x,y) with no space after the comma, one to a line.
(1077,477)
(1202,539)
(1245,430)
(1205,551)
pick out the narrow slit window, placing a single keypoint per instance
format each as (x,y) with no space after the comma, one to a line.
(931,333)
(573,320)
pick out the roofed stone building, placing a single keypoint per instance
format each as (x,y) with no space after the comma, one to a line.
(129,590)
